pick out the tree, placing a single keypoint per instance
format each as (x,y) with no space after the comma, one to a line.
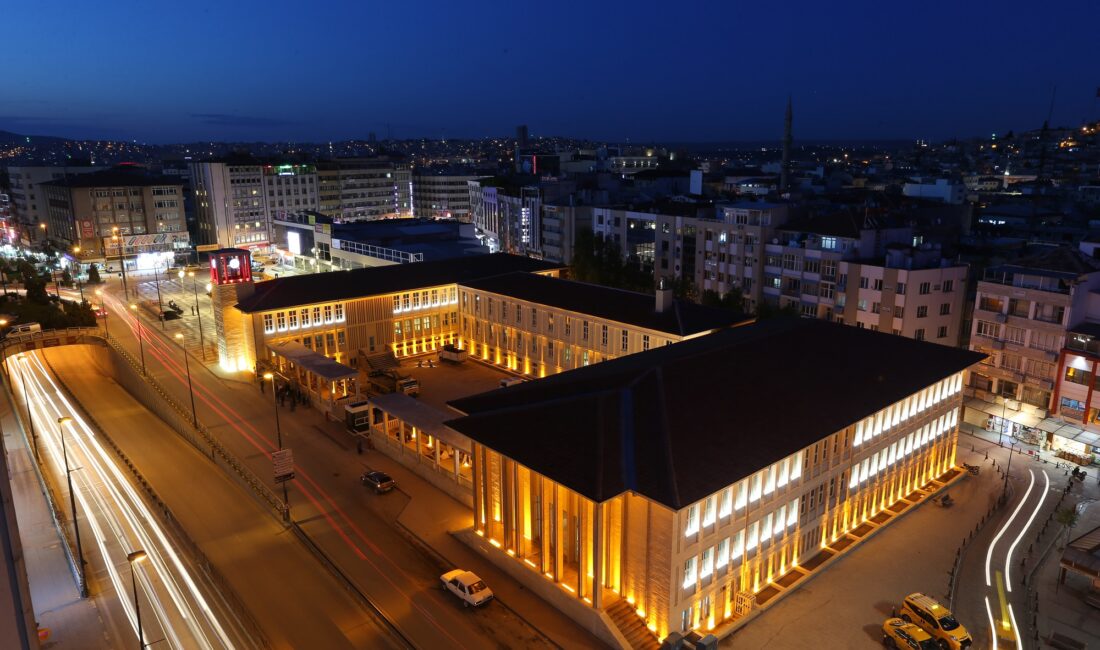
(93,275)
(67,278)
(1068,518)
(35,284)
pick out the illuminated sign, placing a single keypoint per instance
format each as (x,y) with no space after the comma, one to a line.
(294,242)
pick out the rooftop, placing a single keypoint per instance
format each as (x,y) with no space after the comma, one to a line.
(297,290)
(1056,260)
(680,422)
(115,178)
(682,318)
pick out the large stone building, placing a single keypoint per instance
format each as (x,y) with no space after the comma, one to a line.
(662,491)
(28,198)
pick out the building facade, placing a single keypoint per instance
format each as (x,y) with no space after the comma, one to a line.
(696,545)
(507,216)
(365,188)
(1031,318)
(441,196)
(28,198)
(230,205)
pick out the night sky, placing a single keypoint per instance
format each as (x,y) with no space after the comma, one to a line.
(639,71)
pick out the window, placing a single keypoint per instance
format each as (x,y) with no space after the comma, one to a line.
(280,321)
(316,315)
(397,329)
(1020,308)
(339,312)
(901,289)
(1077,376)
(945,309)
(692,520)
(876,307)
(922,311)
(925,288)
(534,318)
(568,326)
(707,565)
(864,282)
(723,555)
(828,243)
(1049,313)
(941,333)
(987,329)
(292,319)
(550,323)
(899,312)
(1015,334)
(626,340)
(584,331)
(305,317)
(603,335)
(948,286)
(328,313)
(992,303)
(269,324)
(919,334)
(877,284)
(645,341)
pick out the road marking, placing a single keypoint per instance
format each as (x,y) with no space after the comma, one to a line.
(992,623)
(1011,549)
(1004,528)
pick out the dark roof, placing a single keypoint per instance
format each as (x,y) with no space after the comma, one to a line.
(833,225)
(1088,329)
(681,422)
(1057,261)
(357,283)
(682,318)
(115,178)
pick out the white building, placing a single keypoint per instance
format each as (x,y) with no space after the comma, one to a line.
(507,216)
(941,189)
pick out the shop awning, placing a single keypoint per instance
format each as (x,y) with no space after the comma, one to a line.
(318,364)
(1083,554)
(1019,417)
(422,416)
(1070,431)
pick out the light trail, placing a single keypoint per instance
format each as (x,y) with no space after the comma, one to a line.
(110,504)
(1011,549)
(992,622)
(1015,629)
(1004,529)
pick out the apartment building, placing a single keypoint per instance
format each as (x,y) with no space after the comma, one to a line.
(365,188)
(441,195)
(1025,314)
(635,501)
(719,254)
(507,215)
(145,212)
(289,189)
(230,203)
(868,276)
(28,198)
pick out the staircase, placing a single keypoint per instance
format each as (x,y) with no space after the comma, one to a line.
(632,627)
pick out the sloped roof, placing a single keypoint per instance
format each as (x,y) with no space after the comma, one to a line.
(292,291)
(1057,259)
(682,318)
(681,422)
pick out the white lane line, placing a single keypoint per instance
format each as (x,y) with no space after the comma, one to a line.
(1015,628)
(1004,528)
(1011,549)
(992,623)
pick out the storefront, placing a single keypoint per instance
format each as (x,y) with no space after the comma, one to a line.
(1010,418)
(1070,441)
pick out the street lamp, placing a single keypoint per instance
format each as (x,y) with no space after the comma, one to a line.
(27,404)
(76,278)
(121,259)
(268,376)
(190,389)
(195,285)
(61,422)
(99,293)
(160,301)
(135,558)
(141,344)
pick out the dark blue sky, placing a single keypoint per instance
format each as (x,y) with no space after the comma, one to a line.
(686,71)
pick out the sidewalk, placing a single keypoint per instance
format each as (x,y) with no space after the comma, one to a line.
(72,622)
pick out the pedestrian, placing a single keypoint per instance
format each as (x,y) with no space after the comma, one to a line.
(192,310)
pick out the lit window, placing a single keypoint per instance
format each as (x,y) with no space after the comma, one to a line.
(328,313)
(692,520)
(280,320)
(707,565)
(727,503)
(709,511)
(753,536)
(755,486)
(690,574)
(792,513)
(796,467)
(305,317)
(723,556)
(738,548)
(784,472)
(769,479)
(292,318)
(742,495)
(269,324)
(339,312)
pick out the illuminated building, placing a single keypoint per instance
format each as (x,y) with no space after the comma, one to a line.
(28,198)
(684,483)
(365,188)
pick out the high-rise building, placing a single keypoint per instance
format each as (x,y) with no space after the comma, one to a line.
(507,214)
(365,188)
(443,195)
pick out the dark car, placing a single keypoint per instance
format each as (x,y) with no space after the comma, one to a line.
(380,481)
(169,315)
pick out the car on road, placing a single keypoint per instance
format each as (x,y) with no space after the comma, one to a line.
(101,312)
(467,586)
(936,620)
(896,633)
(380,481)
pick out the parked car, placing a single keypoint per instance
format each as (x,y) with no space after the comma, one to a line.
(896,633)
(936,620)
(169,315)
(467,586)
(380,481)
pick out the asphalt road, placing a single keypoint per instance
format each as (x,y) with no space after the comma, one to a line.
(355,528)
(178,607)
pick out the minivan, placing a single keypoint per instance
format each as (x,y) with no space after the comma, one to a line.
(23,329)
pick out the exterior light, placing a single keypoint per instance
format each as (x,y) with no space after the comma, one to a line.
(64,419)
(136,556)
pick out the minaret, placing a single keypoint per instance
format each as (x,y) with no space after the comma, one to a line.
(785,172)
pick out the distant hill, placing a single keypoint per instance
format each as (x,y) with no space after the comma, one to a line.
(7,137)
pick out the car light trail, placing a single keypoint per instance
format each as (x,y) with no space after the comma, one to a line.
(1034,513)
(116,512)
(1004,528)
(992,623)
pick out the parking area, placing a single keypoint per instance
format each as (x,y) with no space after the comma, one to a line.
(444,381)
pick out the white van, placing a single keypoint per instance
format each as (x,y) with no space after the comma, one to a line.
(22,329)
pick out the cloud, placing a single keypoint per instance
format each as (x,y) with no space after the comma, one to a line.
(225,119)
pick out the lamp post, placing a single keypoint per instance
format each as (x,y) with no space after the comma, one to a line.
(27,404)
(268,376)
(61,422)
(160,301)
(76,278)
(121,260)
(195,286)
(190,389)
(136,558)
(99,293)
(141,344)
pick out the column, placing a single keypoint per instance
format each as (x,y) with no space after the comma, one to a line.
(557,533)
(597,556)
(454,462)
(507,488)
(478,484)
(518,499)
(435,449)
(585,539)
(544,526)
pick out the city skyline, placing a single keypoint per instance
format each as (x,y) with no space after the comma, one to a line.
(710,73)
